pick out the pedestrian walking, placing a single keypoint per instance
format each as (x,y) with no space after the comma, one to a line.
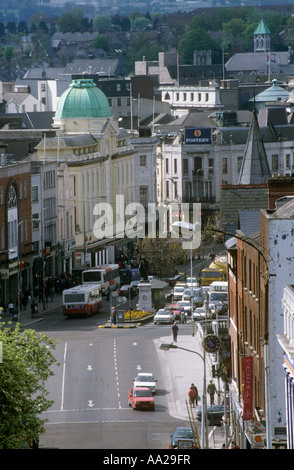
(33,308)
(10,308)
(211,391)
(113,316)
(175,330)
(193,395)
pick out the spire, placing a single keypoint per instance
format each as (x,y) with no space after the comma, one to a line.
(255,168)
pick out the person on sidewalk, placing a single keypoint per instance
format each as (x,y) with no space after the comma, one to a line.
(211,391)
(175,330)
(33,308)
(193,395)
(113,316)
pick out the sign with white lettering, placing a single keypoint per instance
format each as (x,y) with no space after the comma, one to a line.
(198,136)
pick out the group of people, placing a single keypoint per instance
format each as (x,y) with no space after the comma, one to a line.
(194,397)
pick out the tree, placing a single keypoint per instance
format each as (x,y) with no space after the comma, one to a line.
(101,23)
(101,42)
(162,254)
(70,20)
(24,370)
(197,39)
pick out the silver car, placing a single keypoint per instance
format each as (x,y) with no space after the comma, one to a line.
(163,316)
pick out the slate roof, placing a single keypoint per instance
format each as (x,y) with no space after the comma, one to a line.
(255,168)
(247,62)
(249,221)
(103,66)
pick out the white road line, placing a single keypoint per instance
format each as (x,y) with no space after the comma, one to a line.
(63,377)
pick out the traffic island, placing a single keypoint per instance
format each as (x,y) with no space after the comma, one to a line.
(130,319)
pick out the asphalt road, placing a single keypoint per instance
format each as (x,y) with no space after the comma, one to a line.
(91,384)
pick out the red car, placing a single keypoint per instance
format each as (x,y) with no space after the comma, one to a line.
(141,398)
(176,309)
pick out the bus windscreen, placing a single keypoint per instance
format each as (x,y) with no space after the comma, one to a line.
(73,298)
(92,276)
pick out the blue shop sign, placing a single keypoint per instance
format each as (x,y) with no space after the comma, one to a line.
(198,135)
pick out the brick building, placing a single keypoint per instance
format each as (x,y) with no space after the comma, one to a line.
(15,228)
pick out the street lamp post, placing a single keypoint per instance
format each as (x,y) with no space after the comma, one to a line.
(166,347)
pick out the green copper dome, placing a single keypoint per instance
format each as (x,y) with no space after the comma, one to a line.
(83,99)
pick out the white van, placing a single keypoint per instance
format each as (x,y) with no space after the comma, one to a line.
(218,286)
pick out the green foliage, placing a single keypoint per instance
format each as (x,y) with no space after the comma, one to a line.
(102,23)
(24,370)
(195,39)
(162,254)
(101,42)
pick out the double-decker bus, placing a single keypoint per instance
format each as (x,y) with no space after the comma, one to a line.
(85,300)
(106,275)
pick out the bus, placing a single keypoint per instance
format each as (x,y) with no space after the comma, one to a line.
(82,300)
(209,275)
(129,275)
(106,275)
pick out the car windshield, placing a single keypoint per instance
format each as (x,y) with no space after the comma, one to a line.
(142,393)
(218,296)
(184,304)
(184,433)
(145,378)
(164,312)
(178,289)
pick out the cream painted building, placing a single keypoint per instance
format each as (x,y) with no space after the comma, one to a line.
(100,162)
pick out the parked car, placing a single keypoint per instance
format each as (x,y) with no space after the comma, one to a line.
(176,309)
(134,284)
(181,434)
(214,414)
(126,290)
(141,398)
(163,316)
(146,379)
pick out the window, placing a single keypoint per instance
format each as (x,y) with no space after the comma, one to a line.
(43,87)
(167,189)
(176,189)
(175,166)
(288,161)
(166,165)
(143,160)
(118,87)
(275,162)
(239,163)
(206,96)
(118,101)
(185,166)
(1,195)
(225,165)
(177,96)
(35,193)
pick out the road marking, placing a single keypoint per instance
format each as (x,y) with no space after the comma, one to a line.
(90,403)
(89,367)
(63,376)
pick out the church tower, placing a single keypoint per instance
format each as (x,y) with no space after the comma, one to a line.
(262,38)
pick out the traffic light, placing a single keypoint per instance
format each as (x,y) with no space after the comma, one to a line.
(199,259)
(21,264)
